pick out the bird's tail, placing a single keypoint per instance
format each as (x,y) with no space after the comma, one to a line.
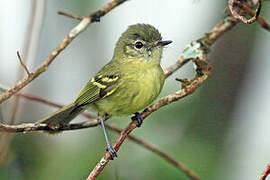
(64,115)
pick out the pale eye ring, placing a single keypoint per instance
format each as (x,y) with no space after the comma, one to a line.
(138,45)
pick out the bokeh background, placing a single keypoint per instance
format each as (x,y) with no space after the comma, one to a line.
(221,131)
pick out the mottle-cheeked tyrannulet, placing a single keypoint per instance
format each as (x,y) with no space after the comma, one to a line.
(128,83)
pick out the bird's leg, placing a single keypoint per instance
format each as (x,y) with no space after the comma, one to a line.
(137,117)
(95,18)
(109,148)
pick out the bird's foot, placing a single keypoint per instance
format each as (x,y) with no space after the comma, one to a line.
(137,117)
(95,18)
(112,151)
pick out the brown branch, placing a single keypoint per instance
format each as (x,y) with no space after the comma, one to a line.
(171,69)
(265,173)
(203,71)
(236,15)
(261,20)
(70,15)
(67,40)
(39,99)
(23,65)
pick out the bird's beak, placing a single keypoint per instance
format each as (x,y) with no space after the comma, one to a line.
(163,43)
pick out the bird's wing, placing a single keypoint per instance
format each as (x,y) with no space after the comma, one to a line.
(97,88)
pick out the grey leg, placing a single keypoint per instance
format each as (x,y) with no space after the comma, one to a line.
(109,146)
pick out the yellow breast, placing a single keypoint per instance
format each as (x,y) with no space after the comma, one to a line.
(135,91)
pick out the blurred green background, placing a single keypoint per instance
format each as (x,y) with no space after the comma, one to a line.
(220,132)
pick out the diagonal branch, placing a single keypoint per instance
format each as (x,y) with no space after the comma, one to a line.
(197,50)
(22,63)
(70,15)
(67,40)
(265,173)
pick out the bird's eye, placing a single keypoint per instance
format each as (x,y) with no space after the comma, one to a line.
(138,45)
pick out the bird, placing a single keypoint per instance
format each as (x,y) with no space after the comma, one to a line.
(128,83)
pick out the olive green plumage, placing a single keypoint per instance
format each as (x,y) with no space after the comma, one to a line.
(128,83)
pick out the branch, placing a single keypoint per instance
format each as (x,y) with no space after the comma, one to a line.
(265,173)
(70,15)
(23,65)
(236,15)
(261,20)
(67,40)
(197,51)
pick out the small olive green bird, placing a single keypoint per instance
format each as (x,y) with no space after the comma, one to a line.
(128,83)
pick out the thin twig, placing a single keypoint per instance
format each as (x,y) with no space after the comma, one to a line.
(67,40)
(23,65)
(261,20)
(236,15)
(171,69)
(70,15)
(265,173)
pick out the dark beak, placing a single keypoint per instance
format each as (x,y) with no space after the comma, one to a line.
(163,43)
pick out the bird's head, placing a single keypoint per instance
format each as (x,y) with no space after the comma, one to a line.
(140,42)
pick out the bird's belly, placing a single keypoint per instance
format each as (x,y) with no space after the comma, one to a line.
(132,96)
